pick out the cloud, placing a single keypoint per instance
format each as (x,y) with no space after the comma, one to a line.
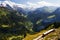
(31,5)
(43,3)
(40,4)
(21,5)
(4,0)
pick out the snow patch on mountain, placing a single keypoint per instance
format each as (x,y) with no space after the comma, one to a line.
(28,5)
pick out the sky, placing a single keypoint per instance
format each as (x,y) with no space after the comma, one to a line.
(35,3)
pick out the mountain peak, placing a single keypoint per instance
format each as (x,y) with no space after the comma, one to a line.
(29,5)
(5,2)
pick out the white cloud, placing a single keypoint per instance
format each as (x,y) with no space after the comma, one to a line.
(21,5)
(40,4)
(4,0)
(43,3)
(31,5)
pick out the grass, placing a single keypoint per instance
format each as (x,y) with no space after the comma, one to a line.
(31,37)
(52,36)
(5,25)
(16,37)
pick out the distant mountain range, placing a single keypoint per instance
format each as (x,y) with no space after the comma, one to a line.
(15,6)
(48,14)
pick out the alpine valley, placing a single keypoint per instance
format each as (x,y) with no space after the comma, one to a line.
(17,20)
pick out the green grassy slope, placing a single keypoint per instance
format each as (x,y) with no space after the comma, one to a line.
(52,36)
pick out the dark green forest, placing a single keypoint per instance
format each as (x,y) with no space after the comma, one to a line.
(13,23)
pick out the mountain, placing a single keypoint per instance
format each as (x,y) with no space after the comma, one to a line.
(57,13)
(13,23)
(15,20)
(47,13)
(41,13)
(19,7)
(5,3)
(12,6)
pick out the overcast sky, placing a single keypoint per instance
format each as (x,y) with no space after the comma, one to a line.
(34,1)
